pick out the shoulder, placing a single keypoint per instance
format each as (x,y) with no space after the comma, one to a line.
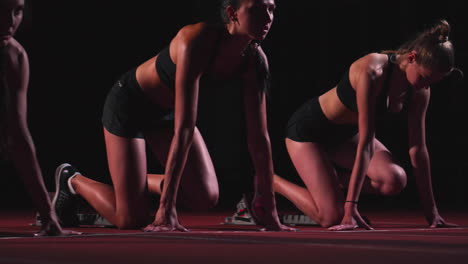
(199,33)
(262,54)
(421,96)
(260,51)
(256,56)
(372,65)
(17,66)
(256,63)
(418,104)
(15,54)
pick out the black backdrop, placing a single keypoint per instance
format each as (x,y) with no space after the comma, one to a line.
(81,47)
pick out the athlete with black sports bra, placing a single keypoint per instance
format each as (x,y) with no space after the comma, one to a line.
(338,128)
(156,103)
(309,124)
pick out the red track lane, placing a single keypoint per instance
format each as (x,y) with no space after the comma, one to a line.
(399,238)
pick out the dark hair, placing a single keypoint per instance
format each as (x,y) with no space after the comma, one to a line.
(224,4)
(252,50)
(3,103)
(433,47)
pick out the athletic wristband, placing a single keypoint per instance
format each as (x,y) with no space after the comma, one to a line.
(354,202)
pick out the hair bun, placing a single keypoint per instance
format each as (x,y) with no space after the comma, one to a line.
(443,38)
(440,31)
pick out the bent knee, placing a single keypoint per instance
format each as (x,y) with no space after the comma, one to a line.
(202,200)
(205,202)
(131,222)
(396,181)
(331,216)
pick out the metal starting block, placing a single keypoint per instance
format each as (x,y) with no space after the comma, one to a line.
(243,217)
(84,219)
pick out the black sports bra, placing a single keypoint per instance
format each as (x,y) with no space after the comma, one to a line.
(347,94)
(166,68)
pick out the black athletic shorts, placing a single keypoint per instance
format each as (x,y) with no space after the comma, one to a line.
(309,124)
(128,113)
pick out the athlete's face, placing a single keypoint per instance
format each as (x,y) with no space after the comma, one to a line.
(420,76)
(255,17)
(11,15)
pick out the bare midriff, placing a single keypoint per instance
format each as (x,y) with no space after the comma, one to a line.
(152,86)
(335,110)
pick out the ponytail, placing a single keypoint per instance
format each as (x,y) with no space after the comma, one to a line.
(433,47)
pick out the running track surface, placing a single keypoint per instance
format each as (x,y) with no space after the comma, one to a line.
(399,237)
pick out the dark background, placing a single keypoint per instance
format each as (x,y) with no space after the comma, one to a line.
(81,47)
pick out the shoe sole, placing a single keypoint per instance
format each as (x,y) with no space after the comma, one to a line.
(58,171)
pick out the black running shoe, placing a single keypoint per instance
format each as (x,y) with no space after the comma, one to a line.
(64,201)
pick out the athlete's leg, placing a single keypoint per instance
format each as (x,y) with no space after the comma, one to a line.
(322,199)
(199,185)
(126,203)
(384,175)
